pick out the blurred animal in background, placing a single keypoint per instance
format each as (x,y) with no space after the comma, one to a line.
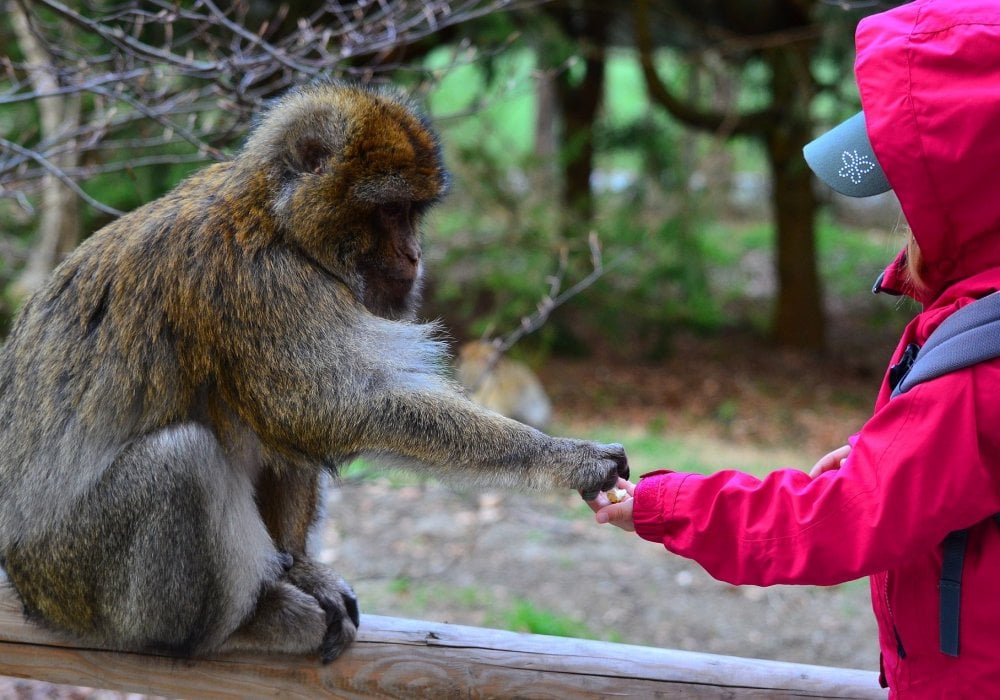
(503,384)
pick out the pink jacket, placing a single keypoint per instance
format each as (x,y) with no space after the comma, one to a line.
(928,461)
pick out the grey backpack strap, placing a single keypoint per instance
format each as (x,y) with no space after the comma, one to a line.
(968,336)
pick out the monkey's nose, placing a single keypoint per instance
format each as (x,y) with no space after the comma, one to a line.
(411,252)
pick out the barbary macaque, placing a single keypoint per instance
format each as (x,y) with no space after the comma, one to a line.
(170,399)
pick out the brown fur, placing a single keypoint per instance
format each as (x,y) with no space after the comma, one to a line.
(169,400)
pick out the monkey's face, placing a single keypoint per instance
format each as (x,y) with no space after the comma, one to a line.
(360,169)
(392,267)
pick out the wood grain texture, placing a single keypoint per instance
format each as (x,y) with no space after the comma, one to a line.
(410,659)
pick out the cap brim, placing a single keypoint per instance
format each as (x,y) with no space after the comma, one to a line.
(843,158)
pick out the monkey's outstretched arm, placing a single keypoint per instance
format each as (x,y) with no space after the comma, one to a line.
(440,429)
(329,380)
(421,423)
(450,433)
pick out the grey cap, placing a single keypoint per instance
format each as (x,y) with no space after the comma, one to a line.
(843,158)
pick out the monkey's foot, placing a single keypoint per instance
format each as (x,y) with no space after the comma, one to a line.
(337,599)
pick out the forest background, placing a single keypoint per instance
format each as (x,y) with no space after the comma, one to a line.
(630,215)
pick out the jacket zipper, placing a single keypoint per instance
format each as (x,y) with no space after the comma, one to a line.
(899,643)
(900,650)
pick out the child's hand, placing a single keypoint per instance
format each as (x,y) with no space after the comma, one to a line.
(830,461)
(618,514)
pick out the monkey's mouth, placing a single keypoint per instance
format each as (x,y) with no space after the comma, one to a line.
(398,287)
(405,273)
(395,292)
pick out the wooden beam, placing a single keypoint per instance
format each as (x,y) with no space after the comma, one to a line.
(399,658)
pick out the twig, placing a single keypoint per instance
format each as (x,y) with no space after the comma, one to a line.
(546,305)
(554,299)
(58,173)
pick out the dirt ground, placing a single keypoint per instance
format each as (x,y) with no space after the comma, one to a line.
(538,561)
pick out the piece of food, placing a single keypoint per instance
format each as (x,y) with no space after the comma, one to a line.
(616,495)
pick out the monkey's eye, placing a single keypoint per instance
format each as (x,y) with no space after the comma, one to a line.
(396,215)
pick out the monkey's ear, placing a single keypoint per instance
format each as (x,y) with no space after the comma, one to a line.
(310,155)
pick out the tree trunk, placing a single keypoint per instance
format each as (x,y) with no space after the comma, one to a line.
(799,316)
(545,116)
(59,219)
(579,103)
(784,127)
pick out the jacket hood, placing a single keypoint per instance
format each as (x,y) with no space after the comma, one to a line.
(929,77)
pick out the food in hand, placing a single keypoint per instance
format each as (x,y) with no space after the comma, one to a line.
(616,495)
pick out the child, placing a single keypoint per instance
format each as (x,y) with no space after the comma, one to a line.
(927,463)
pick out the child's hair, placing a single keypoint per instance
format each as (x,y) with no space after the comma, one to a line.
(914,259)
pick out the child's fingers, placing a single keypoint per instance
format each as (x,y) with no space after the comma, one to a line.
(604,515)
(829,461)
(619,515)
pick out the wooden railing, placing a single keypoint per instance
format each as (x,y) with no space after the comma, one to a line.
(399,658)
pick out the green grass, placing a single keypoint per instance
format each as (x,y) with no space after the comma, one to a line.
(417,597)
(365,470)
(524,616)
(520,615)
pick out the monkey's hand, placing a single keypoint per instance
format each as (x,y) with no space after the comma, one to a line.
(336,598)
(598,467)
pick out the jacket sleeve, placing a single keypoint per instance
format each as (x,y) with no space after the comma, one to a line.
(927,463)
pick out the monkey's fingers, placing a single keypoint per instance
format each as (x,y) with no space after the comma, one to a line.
(343,628)
(343,619)
(337,599)
(616,452)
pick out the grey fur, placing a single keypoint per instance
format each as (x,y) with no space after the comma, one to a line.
(170,400)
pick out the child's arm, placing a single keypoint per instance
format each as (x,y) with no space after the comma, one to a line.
(620,514)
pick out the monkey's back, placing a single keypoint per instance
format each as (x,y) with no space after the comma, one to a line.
(93,358)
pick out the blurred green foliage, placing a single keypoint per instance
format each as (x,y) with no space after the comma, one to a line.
(674,256)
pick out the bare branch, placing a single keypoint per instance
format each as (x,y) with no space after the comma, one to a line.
(62,176)
(174,82)
(549,302)
(121,40)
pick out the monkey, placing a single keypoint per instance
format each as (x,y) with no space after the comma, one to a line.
(503,384)
(173,396)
